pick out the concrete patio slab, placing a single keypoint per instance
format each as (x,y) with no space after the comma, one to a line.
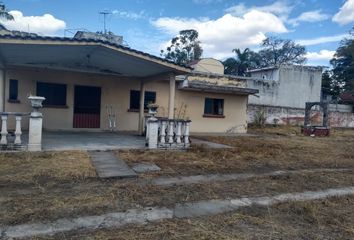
(107,165)
(146,167)
(59,141)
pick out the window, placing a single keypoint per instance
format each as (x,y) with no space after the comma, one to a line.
(150,97)
(13,90)
(214,107)
(55,94)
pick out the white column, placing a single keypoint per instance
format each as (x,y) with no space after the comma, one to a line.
(4,132)
(2,89)
(171,99)
(35,124)
(35,132)
(18,131)
(153,128)
(141,108)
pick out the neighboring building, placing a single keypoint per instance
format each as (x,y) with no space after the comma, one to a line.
(286,86)
(83,79)
(283,92)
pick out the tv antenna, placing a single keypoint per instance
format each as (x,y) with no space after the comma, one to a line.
(104,13)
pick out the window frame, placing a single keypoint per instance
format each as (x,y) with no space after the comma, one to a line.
(213,113)
(146,99)
(50,94)
(15,99)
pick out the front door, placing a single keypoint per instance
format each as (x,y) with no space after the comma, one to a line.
(87,107)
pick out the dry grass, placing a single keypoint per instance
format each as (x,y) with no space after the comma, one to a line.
(275,148)
(324,219)
(83,198)
(29,168)
(48,186)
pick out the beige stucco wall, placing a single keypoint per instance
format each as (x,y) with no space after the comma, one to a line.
(209,65)
(115,91)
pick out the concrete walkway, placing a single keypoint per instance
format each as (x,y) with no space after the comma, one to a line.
(107,165)
(147,215)
(209,144)
(195,179)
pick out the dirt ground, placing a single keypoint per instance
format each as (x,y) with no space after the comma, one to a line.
(43,187)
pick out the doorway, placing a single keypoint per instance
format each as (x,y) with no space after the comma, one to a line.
(87,107)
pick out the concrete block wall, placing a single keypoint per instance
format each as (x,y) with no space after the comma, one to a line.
(295,116)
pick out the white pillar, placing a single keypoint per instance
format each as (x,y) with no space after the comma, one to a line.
(141,108)
(2,89)
(171,99)
(35,124)
(153,128)
(35,132)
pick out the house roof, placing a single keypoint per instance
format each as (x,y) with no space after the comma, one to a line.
(90,55)
(213,88)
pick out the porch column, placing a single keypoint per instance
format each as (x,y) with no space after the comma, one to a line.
(141,108)
(2,88)
(171,99)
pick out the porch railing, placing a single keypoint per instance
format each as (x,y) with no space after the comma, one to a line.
(11,139)
(167,133)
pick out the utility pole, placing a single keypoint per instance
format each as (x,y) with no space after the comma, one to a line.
(105,14)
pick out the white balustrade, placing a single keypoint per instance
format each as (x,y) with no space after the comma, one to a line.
(14,141)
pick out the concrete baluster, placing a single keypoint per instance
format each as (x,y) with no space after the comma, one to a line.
(4,132)
(179,132)
(170,131)
(18,131)
(186,133)
(163,132)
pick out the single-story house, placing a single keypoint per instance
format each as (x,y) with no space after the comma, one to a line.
(86,80)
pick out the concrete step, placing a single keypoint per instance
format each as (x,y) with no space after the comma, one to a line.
(107,165)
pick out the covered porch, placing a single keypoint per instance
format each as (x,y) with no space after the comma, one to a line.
(88,87)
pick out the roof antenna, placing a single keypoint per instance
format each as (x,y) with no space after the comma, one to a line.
(105,13)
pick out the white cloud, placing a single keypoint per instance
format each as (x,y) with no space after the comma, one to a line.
(279,8)
(311,16)
(206,1)
(345,14)
(321,40)
(129,15)
(221,35)
(44,25)
(321,55)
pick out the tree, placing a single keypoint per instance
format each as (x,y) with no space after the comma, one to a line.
(184,48)
(343,64)
(276,51)
(239,65)
(4,14)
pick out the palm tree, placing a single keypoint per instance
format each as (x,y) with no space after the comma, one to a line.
(239,64)
(4,14)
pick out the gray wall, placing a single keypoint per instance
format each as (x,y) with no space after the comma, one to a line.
(287,86)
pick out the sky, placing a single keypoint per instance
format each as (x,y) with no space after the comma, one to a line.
(148,25)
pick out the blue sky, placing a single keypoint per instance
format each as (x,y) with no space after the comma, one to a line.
(148,25)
